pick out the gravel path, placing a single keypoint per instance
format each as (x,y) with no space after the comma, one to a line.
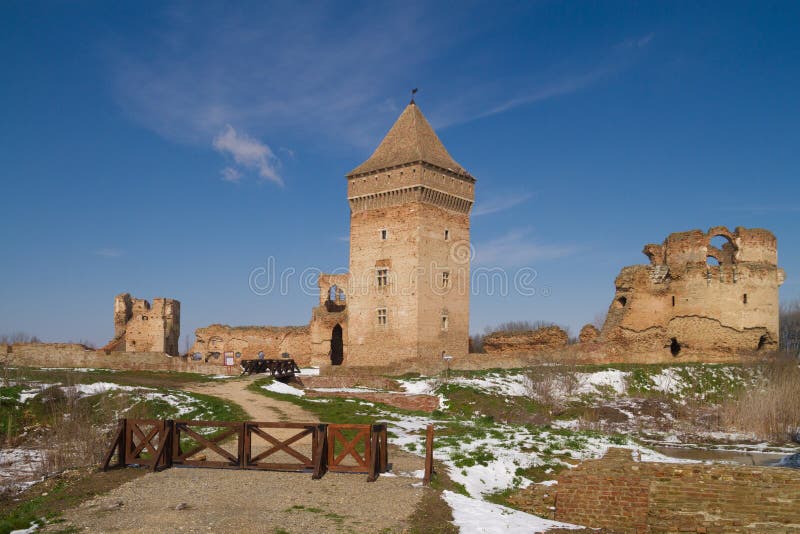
(221,500)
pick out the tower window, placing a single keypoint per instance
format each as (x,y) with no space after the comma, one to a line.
(384,234)
(382,277)
(445,279)
(673,300)
(381,316)
(744,298)
(447,235)
(444,322)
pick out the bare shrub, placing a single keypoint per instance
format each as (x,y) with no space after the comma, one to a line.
(553,384)
(789,336)
(80,429)
(771,411)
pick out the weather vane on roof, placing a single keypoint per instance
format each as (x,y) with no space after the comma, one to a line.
(413,92)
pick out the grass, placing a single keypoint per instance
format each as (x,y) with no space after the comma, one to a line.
(60,493)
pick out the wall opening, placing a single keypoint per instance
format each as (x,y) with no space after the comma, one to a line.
(762,342)
(744,298)
(621,302)
(711,261)
(673,300)
(337,346)
(674,347)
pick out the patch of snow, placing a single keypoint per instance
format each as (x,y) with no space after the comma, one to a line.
(309,371)
(347,390)
(30,530)
(474,516)
(222,377)
(280,387)
(590,382)
(668,381)
(85,390)
(20,468)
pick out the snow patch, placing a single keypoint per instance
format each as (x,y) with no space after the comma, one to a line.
(474,516)
(280,387)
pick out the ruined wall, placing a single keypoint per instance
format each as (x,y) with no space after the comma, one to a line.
(74,355)
(544,339)
(245,342)
(621,495)
(140,327)
(696,301)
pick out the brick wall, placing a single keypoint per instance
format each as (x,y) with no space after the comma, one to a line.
(624,496)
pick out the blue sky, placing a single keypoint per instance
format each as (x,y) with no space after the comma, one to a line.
(170,149)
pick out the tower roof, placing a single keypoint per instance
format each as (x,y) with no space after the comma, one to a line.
(411,139)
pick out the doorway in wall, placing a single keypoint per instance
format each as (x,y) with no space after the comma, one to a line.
(337,346)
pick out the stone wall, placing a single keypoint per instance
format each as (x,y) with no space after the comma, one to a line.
(142,327)
(696,301)
(543,339)
(624,496)
(74,355)
(245,342)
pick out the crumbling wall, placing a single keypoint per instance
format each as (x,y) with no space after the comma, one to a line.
(245,342)
(695,300)
(544,339)
(623,495)
(140,327)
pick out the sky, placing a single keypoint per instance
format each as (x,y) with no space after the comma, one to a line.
(177,149)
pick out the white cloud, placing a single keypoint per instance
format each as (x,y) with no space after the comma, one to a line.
(229,174)
(109,252)
(500,203)
(247,152)
(517,248)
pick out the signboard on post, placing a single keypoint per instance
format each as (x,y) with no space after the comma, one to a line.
(229,360)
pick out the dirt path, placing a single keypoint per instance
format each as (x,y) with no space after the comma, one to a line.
(259,407)
(222,500)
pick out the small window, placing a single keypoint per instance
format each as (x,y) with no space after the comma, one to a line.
(447,235)
(744,298)
(384,234)
(444,322)
(144,317)
(381,316)
(445,279)
(673,300)
(382,277)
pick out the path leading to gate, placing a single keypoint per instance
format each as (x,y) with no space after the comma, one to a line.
(259,407)
(222,500)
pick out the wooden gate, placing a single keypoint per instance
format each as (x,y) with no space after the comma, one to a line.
(164,443)
(189,441)
(262,431)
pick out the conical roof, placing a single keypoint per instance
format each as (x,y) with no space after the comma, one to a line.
(410,140)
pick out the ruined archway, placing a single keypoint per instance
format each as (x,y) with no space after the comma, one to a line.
(337,346)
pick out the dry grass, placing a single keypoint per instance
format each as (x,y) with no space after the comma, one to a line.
(552,384)
(78,431)
(771,411)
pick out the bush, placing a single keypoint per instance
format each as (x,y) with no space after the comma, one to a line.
(772,411)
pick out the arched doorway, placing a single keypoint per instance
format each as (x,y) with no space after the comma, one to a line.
(337,346)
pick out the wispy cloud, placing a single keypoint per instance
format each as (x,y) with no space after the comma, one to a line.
(518,248)
(500,203)
(247,152)
(283,71)
(109,252)
(229,174)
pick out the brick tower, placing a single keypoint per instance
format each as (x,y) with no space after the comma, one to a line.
(409,249)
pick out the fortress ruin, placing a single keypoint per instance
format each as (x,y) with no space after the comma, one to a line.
(406,295)
(697,299)
(140,327)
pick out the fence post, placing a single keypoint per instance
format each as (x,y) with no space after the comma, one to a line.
(244,445)
(374,446)
(320,451)
(384,449)
(428,456)
(117,445)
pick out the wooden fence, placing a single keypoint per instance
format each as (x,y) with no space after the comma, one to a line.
(160,444)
